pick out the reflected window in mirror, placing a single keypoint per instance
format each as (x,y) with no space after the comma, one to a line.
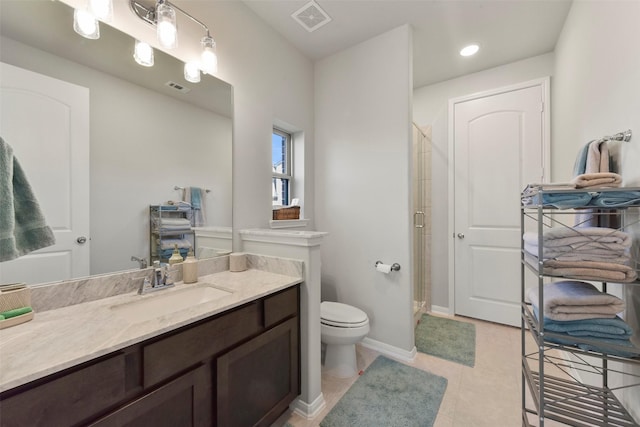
(282,167)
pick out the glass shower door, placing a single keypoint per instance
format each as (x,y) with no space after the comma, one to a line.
(421,176)
(419,258)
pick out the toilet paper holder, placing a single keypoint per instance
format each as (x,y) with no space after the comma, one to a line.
(394,267)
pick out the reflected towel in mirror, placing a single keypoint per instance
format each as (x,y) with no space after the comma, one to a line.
(23,228)
(196,197)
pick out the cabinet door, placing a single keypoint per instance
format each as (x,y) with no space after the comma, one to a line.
(184,402)
(68,399)
(257,381)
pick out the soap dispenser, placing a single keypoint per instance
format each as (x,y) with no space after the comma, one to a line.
(190,268)
(175,256)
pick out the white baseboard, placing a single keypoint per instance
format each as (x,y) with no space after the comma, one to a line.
(437,309)
(389,350)
(308,410)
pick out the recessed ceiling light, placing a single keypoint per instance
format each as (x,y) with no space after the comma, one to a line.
(469,50)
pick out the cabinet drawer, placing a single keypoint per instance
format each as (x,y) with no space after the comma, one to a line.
(70,398)
(280,306)
(169,356)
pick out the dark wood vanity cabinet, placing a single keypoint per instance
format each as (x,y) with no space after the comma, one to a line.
(238,368)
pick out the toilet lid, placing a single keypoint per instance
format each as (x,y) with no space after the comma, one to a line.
(337,314)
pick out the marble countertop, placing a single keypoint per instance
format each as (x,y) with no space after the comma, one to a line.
(58,339)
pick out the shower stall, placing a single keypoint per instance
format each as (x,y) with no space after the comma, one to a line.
(421,175)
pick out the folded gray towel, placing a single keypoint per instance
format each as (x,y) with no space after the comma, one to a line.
(22,225)
(581,238)
(575,300)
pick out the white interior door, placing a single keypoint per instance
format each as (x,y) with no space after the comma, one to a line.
(499,144)
(46,122)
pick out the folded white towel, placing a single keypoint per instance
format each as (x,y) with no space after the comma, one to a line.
(598,179)
(174,221)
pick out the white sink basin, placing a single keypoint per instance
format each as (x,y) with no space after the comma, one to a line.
(155,305)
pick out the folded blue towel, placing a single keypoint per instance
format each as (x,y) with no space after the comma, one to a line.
(563,200)
(166,253)
(615,328)
(601,345)
(602,336)
(616,199)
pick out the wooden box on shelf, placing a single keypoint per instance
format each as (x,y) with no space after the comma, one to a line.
(291,212)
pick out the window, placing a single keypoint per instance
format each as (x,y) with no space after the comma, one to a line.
(282,173)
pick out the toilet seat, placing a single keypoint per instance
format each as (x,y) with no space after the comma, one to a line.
(342,315)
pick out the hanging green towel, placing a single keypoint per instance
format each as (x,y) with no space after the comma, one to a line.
(22,225)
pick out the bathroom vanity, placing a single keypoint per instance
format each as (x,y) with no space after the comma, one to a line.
(233,361)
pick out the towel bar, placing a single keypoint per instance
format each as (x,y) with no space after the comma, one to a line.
(620,136)
(182,188)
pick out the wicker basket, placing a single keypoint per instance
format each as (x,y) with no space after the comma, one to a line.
(292,212)
(12,297)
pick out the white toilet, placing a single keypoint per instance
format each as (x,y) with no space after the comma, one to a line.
(341,327)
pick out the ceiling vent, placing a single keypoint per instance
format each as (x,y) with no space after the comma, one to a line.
(177,87)
(311,16)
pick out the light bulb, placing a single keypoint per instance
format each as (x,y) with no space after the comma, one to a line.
(192,72)
(166,25)
(143,54)
(101,9)
(208,57)
(85,24)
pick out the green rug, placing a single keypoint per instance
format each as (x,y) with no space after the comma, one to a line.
(389,394)
(447,339)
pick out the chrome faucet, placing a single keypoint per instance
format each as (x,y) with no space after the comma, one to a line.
(161,279)
(141,261)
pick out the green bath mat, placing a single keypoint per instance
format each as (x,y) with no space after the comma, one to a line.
(447,339)
(389,393)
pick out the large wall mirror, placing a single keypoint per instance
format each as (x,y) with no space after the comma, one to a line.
(146,140)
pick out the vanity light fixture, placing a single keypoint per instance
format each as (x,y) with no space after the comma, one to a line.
(208,57)
(101,9)
(85,24)
(192,72)
(163,16)
(472,49)
(166,24)
(143,54)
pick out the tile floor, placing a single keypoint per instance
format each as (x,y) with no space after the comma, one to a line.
(488,394)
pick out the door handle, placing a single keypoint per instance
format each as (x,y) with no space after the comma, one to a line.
(415,221)
(81,240)
(460,235)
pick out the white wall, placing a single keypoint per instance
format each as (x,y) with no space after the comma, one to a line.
(362,162)
(430,104)
(135,160)
(596,92)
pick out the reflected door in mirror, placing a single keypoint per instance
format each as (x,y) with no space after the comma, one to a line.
(46,122)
